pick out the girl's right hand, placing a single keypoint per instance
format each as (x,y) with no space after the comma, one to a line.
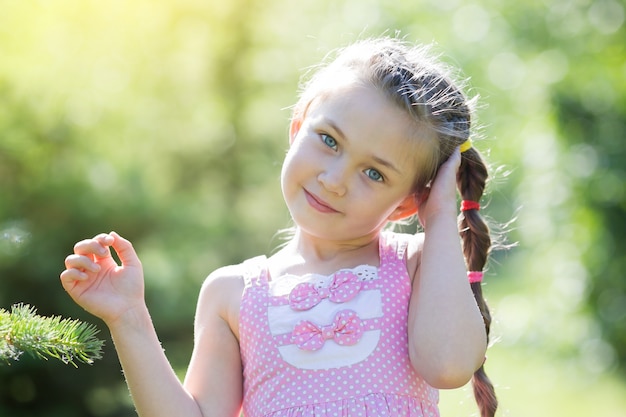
(98,284)
(441,198)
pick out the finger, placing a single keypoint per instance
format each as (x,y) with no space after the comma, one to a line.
(105,241)
(82,263)
(448,171)
(454,161)
(125,250)
(97,246)
(70,275)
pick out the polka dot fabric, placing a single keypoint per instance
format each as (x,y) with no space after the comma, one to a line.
(369,378)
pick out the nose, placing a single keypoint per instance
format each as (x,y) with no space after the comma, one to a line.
(333,179)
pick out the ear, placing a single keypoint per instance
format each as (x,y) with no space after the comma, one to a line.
(407,207)
(294,127)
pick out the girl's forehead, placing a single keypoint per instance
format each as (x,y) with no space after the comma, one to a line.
(361,112)
(351,96)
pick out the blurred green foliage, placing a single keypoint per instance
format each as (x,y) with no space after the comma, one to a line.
(166,121)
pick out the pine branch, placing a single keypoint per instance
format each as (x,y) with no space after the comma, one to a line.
(23,330)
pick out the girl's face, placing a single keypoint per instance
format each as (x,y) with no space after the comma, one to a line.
(351,166)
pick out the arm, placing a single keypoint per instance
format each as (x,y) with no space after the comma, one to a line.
(215,376)
(115,294)
(447,338)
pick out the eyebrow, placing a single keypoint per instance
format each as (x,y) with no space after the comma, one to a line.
(381,161)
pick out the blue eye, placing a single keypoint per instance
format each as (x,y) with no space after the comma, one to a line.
(374,175)
(329,141)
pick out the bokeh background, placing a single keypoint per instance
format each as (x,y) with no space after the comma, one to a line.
(166,121)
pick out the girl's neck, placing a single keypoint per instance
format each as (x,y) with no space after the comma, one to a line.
(307,254)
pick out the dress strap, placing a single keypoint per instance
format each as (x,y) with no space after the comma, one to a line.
(392,247)
(255,271)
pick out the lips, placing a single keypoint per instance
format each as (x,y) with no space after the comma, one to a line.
(318,204)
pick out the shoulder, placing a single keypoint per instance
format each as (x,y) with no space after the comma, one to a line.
(223,282)
(414,244)
(220,295)
(412,241)
(225,277)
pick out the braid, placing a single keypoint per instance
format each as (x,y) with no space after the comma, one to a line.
(471,180)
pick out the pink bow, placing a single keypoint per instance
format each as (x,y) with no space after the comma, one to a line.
(343,287)
(345,329)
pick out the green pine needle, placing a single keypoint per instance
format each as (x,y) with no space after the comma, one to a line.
(70,341)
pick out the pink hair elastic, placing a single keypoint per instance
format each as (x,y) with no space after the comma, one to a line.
(469,205)
(475,276)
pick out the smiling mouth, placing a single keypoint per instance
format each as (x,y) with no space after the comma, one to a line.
(318,204)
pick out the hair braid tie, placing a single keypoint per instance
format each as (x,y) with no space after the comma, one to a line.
(469,205)
(475,276)
(465,146)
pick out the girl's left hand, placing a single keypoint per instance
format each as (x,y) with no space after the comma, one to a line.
(441,198)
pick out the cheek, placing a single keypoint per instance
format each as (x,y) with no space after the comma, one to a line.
(289,169)
(284,172)
(298,157)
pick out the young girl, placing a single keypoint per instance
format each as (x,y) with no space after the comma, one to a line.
(347,318)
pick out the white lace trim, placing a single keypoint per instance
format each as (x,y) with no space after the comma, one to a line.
(283,284)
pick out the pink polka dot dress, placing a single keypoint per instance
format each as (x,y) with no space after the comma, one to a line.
(332,346)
